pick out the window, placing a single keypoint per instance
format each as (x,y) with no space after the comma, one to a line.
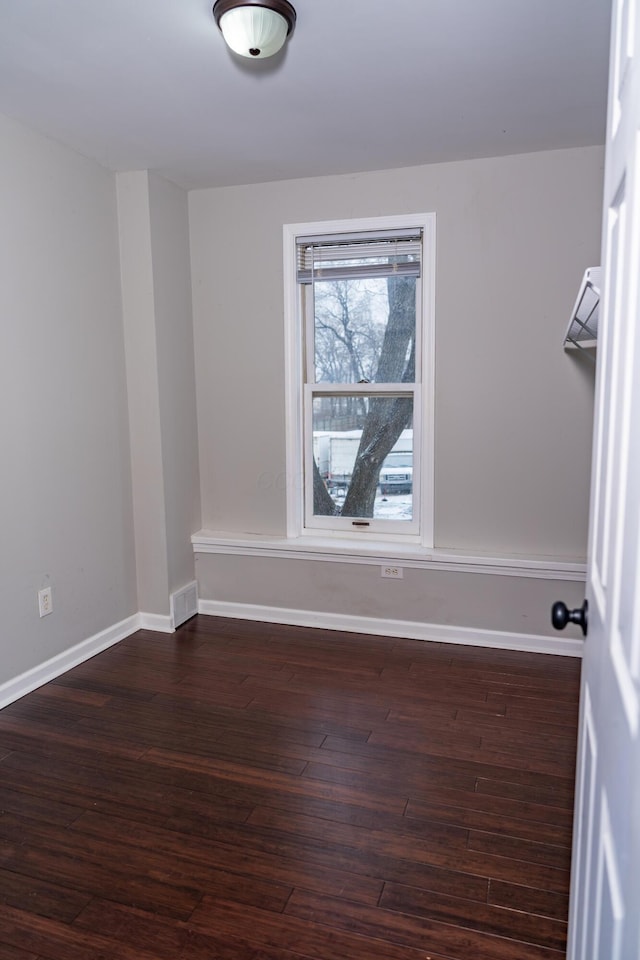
(360,358)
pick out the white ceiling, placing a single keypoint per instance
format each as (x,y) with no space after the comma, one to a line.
(362,84)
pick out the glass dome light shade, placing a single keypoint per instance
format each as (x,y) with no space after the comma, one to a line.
(254,31)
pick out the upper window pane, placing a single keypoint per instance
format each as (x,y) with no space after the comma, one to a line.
(364,329)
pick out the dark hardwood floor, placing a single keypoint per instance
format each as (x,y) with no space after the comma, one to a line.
(247,791)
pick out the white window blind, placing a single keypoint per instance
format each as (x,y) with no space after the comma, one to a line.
(366,254)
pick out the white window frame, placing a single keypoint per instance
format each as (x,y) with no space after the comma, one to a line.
(424,392)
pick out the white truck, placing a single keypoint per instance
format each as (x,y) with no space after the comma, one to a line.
(396,473)
(335,453)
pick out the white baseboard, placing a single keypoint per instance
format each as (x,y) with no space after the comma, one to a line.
(50,669)
(32,679)
(412,630)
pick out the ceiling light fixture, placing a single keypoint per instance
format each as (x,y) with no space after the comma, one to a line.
(255,28)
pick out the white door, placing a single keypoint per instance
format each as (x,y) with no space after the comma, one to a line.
(604,921)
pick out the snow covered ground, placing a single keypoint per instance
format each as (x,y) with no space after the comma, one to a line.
(393,506)
(396,506)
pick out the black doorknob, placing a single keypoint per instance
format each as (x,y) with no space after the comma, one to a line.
(561,616)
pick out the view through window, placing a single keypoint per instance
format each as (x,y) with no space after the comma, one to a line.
(362,312)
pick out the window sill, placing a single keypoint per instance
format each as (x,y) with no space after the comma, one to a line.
(342,550)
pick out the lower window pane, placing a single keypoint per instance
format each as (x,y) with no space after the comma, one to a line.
(363,457)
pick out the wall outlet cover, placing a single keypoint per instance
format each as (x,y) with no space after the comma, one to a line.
(45,602)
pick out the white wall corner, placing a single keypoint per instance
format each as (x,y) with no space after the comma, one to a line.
(156,622)
(37,676)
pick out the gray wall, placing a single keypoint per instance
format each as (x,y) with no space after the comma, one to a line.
(65,488)
(513,412)
(470,601)
(99,487)
(176,375)
(156,284)
(139,317)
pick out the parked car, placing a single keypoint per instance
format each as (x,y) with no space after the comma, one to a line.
(396,473)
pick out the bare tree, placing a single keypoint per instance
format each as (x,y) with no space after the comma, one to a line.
(348,339)
(388,416)
(323,504)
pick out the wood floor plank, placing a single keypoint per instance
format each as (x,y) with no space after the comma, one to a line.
(380,856)
(519,848)
(248,855)
(169,940)
(558,793)
(248,791)
(47,740)
(491,821)
(42,807)
(42,897)
(365,781)
(329,788)
(115,869)
(500,808)
(527,900)
(108,790)
(312,939)
(7,952)
(183,739)
(389,841)
(482,917)
(421,933)
(48,939)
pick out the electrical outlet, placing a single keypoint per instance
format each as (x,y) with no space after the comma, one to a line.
(394,573)
(45,602)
